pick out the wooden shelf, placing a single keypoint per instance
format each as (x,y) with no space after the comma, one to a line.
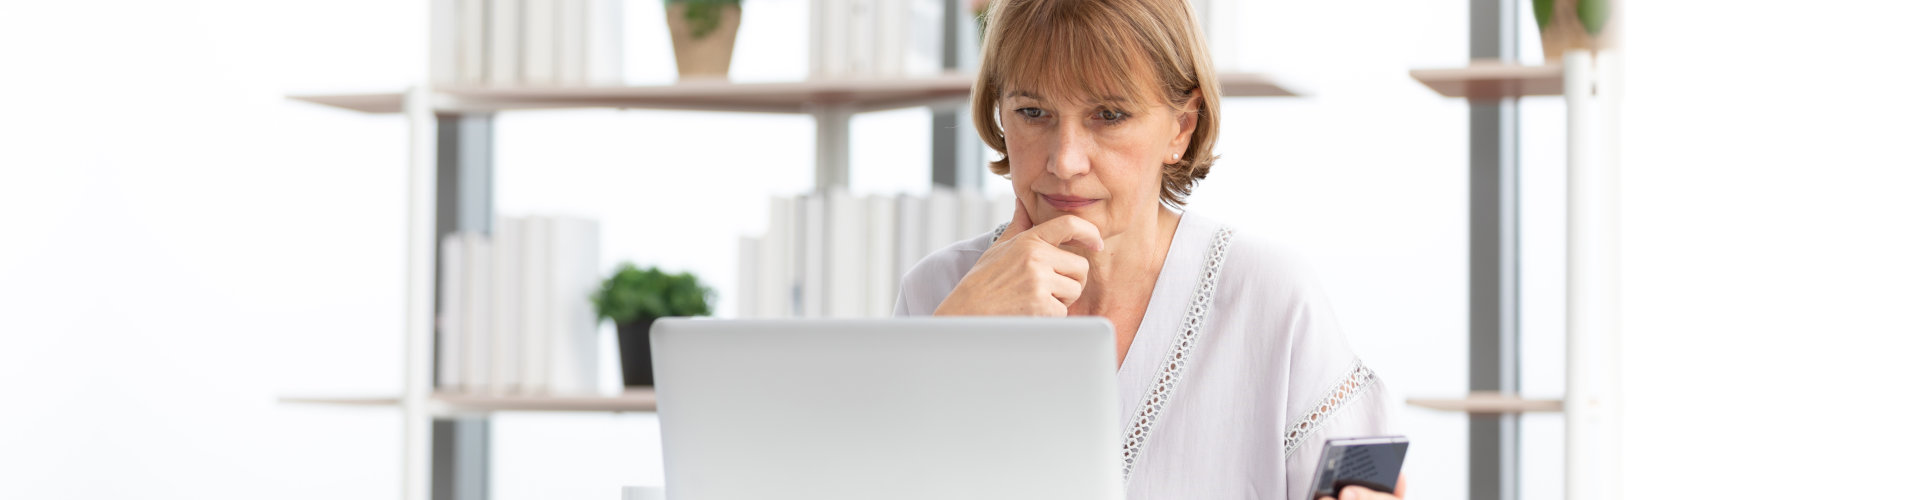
(342,401)
(1493,79)
(636,400)
(1487,402)
(717,95)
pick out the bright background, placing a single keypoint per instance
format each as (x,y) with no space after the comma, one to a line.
(180,245)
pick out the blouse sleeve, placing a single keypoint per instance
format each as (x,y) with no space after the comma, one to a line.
(924,287)
(1330,391)
(1359,406)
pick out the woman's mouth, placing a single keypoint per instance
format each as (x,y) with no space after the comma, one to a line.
(1067,202)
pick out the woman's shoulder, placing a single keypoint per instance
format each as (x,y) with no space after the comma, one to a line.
(928,282)
(1263,265)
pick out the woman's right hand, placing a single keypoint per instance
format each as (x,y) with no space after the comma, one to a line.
(1029,271)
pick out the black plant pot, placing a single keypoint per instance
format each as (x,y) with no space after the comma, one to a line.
(636,355)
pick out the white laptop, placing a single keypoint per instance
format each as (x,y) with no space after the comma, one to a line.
(911,408)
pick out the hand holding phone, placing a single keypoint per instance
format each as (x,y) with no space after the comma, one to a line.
(1372,463)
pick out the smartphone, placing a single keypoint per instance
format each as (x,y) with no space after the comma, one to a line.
(1371,462)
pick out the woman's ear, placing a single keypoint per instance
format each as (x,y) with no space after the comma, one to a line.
(1185,122)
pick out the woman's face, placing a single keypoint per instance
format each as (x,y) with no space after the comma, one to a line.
(1099,159)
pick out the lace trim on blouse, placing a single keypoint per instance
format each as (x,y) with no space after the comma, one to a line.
(1178,354)
(1358,381)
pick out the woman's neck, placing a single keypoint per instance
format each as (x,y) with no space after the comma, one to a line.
(1120,277)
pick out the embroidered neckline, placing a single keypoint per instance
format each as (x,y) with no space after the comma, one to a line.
(1358,381)
(1154,402)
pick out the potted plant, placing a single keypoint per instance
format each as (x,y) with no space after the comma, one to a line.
(703,33)
(632,298)
(1572,24)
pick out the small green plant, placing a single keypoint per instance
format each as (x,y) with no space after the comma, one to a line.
(1592,13)
(632,294)
(704,15)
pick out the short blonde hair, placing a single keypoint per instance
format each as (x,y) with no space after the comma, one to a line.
(1097,47)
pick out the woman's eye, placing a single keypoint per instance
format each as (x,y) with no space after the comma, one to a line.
(1111,116)
(1030,112)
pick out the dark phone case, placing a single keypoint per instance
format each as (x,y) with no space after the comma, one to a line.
(1373,463)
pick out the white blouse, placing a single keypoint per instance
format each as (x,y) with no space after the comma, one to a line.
(1236,378)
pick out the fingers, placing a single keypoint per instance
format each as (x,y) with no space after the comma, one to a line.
(1063,263)
(1400,487)
(1353,492)
(1021,222)
(1064,290)
(1069,230)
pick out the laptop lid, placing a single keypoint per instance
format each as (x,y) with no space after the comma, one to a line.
(923,408)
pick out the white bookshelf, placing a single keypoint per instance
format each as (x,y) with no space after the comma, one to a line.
(1486,402)
(449,404)
(1494,79)
(1591,84)
(432,111)
(832,102)
(951,89)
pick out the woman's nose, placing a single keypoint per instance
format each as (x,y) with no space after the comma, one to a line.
(1069,157)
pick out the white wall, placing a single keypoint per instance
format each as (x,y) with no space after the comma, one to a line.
(1772,249)
(179,244)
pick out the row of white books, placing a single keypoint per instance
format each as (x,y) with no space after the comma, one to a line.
(515,310)
(841,256)
(876,38)
(527,43)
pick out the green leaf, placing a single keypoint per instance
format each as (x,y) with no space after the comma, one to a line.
(1543,12)
(632,294)
(1593,15)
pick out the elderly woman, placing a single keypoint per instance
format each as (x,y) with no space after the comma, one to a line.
(1232,369)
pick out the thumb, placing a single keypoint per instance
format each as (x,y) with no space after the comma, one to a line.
(1020,223)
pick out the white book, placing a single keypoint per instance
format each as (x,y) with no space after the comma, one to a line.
(575,331)
(503,42)
(846,255)
(506,304)
(443,53)
(921,55)
(813,256)
(881,276)
(778,254)
(973,214)
(452,314)
(605,59)
(860,43)
(540,42)
(832,31)
(534,323)
(817,38)
(910,232)
(1219,21)
(890,23)
(746,294)
(816,19)
(1001,210)
(472,44)
(479,318)
(943,218)
(572,67)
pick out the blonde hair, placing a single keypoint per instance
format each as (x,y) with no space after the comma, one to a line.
(1097,47)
